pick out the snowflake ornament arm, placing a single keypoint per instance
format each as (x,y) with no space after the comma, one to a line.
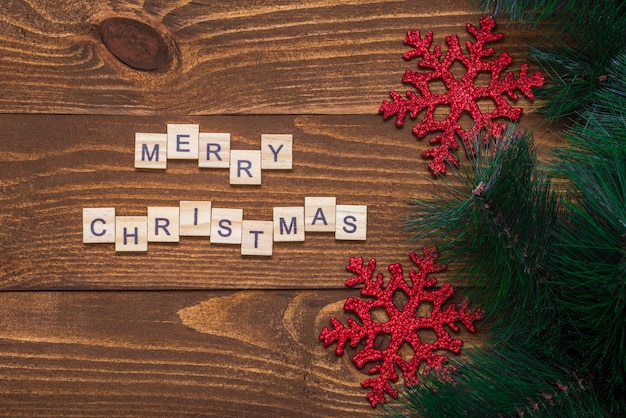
(402,326)
(460,95)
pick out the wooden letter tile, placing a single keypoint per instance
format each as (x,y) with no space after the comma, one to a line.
(245,167)
(256,238)
(319,214)
(195,218)
(150,150)
(98,225)
(289,223)
(214,150)
(182,141)
(277,151)
(131,233)
(226,225)
(351,222)
(163,224)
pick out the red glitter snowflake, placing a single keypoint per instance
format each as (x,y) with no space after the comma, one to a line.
(402,325)
(461,95)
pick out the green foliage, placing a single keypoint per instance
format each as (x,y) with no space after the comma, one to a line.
(549,275)
(549,271)
(534,12)
(578,66)
(483,223)
(590,242)
(548,268)
(587,35)
(502,382)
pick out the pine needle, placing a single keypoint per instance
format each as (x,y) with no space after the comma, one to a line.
(496,222)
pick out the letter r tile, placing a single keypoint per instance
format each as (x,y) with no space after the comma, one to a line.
(245,167)
(163,224)
(214,150)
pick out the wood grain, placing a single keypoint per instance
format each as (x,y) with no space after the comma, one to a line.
(54,166)
(193,328)
(231,57)
(220,353)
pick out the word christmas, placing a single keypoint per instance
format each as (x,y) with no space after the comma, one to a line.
(224,226)
(212,150)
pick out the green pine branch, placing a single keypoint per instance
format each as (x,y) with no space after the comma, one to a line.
(548,268)
(590,243)
(534,12)
(496,221)
(502,382)
(579,64)
(550,277)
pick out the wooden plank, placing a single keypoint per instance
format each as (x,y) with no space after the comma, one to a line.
(248,353)
(51,167)
(50,170)
(203,58)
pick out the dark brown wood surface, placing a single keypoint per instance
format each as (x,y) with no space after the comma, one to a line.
(229,57)
(218,353)
(194,329)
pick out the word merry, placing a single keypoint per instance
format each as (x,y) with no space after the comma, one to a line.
(224,225)
(212,150)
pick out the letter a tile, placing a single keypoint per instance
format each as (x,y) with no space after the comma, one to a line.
(319,214)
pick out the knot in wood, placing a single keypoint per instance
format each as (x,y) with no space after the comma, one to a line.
(136,44)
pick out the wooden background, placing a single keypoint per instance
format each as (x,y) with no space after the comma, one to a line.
(194,329)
